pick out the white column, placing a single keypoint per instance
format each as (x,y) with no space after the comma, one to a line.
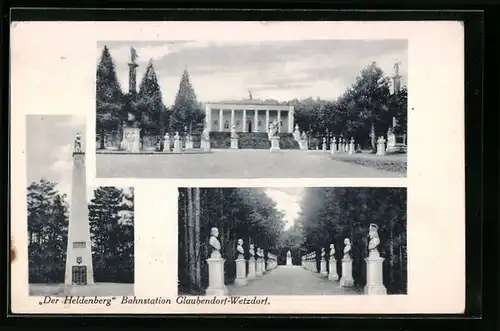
(279,121)
(256,121)
(290,119)
(267,120)
(221,118)
(244,121)
(232,119)
(207,117)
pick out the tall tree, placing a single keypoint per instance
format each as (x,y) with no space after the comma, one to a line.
(112,235)
(186,111)
(149,103)
(109,97)
(47,232)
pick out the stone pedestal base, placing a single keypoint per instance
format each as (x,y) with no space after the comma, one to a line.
(216,277)
(177,146)
(289,262)
(131,141)
(275,144)
(251,268)
(351,149)
(166,146)
(323,271)
(234,143)
(374,275)
(323,148)
(241,279)
(205,145)
(333,148)
(332,275)
(346,280)
(258,268)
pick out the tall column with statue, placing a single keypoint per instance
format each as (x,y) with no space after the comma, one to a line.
(131,132)
(374,265)
(216,284)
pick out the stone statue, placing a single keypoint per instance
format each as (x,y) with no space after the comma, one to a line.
(347,248)
(352,140)
(396,68)
(78,143)
(374,240)
(233,132)
(288,254)
(332,249)
(176,136)
(240,249)
(273,129)
(206,134)
(304,135)
(133,55)
(323,252)
(252,250)
(214,242)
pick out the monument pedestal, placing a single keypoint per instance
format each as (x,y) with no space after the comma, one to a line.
(374,276)
(241,279)
(351,148)
(323,147)
(333,275)
(251,268)
(258,267)
(216,277)
(131,141)
(177,146)
(346,280)
(166,146)
(323,271)
(289,262)
(275,144)
(234,143)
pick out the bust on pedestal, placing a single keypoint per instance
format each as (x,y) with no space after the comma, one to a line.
(333,146)
(289,259)
(216,284)
(347,280)
(351,146)
(374,264)
(251,262)
(333,275)
(177,143)
(166,143)
(205,140)
(241,268)
(323,271)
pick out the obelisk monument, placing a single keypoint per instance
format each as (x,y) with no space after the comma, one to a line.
(79,269)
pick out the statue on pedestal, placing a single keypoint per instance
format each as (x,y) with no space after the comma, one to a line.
(323,252)
(374,241)
(78,143)
(347,248)
(240,249)
(273,129)
(233,132)
(214,243)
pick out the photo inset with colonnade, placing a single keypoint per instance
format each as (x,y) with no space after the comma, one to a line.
(252,109)
(292,241)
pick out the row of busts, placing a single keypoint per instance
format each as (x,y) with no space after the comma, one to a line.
(254,252)
(372,246)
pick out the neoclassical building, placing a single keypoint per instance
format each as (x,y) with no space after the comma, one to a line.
(248,116)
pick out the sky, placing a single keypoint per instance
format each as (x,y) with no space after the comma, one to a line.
(49,149)
(288,201)
(282,70)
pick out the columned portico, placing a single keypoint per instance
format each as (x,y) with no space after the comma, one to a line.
(248,117)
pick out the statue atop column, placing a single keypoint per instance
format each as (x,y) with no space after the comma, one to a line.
(240,249)
(214,243)
(78,143)
(374,240)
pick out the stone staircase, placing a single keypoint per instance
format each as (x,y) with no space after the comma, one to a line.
(251,140)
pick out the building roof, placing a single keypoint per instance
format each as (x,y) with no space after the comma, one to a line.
(248,102)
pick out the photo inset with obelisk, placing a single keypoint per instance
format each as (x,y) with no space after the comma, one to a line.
(79,244)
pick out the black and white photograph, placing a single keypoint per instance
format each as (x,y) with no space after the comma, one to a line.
(80,238)
(252,109)
(292,241)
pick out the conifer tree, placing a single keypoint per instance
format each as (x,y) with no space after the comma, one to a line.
(186,111)
(149,103)
(109,97)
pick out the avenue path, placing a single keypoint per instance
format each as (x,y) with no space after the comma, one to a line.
(232,164)
(292,280)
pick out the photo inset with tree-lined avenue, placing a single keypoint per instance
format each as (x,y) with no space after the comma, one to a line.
(292,241)
(243,109)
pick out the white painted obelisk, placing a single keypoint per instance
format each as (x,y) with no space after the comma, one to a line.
(79,269)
